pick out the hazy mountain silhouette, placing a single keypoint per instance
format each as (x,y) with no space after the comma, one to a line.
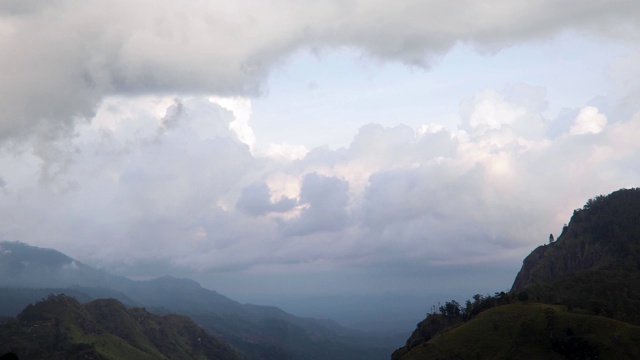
(29,273)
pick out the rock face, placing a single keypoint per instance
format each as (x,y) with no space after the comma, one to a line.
(548,263)
(529,267)
(603,235)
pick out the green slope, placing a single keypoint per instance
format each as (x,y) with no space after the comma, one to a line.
(531,331)
(62,328)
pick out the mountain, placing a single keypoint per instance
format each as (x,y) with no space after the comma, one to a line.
(595,264)
(29,273)
(575,298)
(604,235)
(62,328)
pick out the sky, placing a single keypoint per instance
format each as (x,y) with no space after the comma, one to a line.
(285,149)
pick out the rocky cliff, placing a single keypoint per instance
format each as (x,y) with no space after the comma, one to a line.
(548,263)
(604,234)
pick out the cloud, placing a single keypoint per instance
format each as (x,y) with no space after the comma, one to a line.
(65,57)
(127,141)
(490,112)
(287,151)
(255,200)
(588,121)
(325,201)
(162,182)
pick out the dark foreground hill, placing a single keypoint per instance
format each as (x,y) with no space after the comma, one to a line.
(575,298)
(29,273)
(531,331)
(62,328)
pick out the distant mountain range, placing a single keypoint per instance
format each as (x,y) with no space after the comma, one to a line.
(29,274)
(574,298)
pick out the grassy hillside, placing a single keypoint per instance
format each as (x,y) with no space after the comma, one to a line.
(531,331)
(62,328)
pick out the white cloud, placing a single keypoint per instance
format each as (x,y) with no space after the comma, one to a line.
(588,121)
(241,109)
(287,151)
(489,112)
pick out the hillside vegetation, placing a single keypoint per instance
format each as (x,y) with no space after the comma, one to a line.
(62,328)
(531,331)
(574,298)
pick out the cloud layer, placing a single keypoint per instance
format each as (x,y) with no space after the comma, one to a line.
(126,138)
(63,57)
(177,187)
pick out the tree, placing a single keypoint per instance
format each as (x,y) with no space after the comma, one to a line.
(451,308)
(551,239)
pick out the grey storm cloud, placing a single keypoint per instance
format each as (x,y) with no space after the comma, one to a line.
(326,199)
(61,58)
(255,200)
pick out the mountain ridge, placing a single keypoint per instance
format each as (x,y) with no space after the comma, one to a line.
(578,297)
(598,236)
(261,332)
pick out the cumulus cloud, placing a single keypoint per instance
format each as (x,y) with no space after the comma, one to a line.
(325,202)
(588,121)
(167,181)
(256,200)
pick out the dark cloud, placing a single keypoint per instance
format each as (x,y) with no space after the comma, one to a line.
(326,201)
(255,200)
